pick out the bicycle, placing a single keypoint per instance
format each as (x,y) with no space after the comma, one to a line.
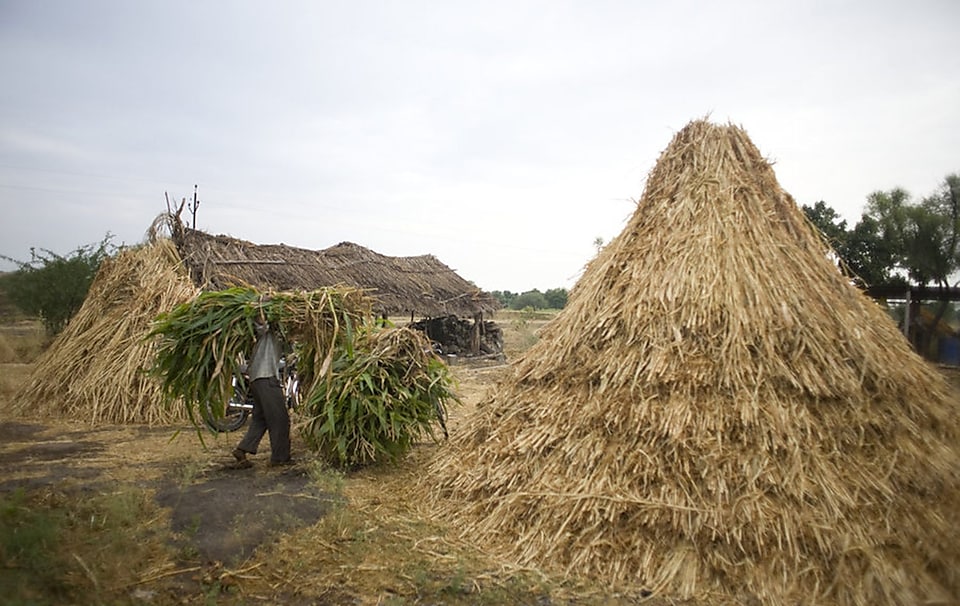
(240,405)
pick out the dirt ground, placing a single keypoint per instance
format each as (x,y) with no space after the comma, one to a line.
(218,516)
(206,532)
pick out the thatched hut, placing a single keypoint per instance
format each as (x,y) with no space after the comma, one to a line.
(401,286)
(96,370)
(717,413)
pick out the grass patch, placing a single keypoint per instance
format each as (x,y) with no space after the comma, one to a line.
(59,549)
(12,378)
(7,354)
(22,342)
(188,470)
(326,478)
(31,565)
(376,547)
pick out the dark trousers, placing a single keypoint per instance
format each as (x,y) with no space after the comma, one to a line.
(269,415)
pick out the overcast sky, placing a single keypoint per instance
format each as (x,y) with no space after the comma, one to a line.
(501,137)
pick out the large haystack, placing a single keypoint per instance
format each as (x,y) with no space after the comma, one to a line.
(96,369)
(718,413)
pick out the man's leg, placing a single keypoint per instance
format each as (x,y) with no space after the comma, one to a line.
(258,427)
(270,394)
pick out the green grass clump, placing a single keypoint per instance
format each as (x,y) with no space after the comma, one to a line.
(59,550)
(28,548)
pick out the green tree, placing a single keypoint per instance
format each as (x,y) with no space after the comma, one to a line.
(890,214)
(868,256)
(504,296)
(829,223)
(533,299)
(920,239)
(53,287)
(556,298)
(873,249)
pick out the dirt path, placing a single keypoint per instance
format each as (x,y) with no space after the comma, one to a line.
(217,514)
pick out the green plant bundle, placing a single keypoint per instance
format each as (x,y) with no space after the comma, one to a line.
(201,344)
(387,390)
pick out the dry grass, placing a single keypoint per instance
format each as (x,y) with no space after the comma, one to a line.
(524,329)
(96,369)
(22,341)
(13,377)
(717,413)
(400,285)
(7,353)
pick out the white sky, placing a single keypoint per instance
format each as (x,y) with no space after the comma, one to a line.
(502,137)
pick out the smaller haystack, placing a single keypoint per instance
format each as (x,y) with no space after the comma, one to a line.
(96,369)
(718,413)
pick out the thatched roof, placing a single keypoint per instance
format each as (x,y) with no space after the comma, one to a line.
(718,413)
(419,285)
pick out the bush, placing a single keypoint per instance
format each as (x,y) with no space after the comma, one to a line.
(53,287)
(556,298)
(533,299)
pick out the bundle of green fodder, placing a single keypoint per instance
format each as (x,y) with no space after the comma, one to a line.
(386,391)
(202,344)
(717,413)
(370,392)
(95,370)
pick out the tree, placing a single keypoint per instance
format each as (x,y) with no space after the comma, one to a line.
(533,299)
(919,239)
(869,257)
(862,251)
(53,287)
(890,215)
(828,222)
(504,296)
(556,298)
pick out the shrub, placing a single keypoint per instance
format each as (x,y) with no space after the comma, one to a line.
(53,287)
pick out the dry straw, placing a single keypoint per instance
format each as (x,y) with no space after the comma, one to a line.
(399,285)
(96,369)
(717,412)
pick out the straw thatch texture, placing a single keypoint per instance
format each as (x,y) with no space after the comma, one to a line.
(96,369)
(400,285)
(717,411)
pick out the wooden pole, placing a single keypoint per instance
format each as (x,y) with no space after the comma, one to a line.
(475,334)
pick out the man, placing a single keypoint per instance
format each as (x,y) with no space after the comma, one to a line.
(269,405)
